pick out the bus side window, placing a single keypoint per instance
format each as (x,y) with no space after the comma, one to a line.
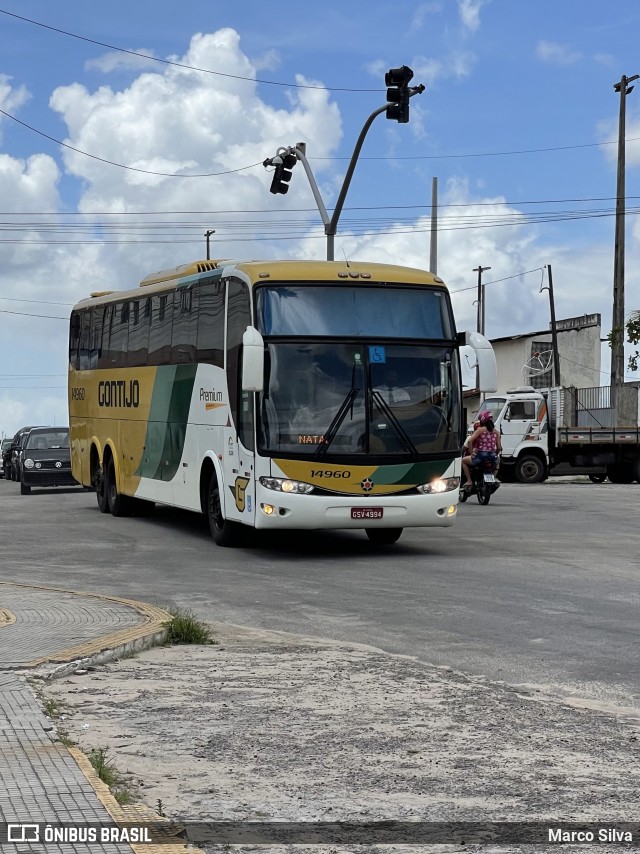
(103,361)
(85,335)
(74,338)
(95,336)
(138,335)
(210,335)
(119,335)
(185,326)
(160,332)
(238,318)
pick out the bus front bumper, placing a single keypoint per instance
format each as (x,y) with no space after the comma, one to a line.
(280,511)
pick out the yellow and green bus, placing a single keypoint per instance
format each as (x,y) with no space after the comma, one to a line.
(274,395)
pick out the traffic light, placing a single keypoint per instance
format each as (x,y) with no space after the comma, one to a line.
(282,174)
(398,93)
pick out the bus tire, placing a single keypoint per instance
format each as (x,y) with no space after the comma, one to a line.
(224,532)
(101,490)
(597,478)
(530,469)
(119,505)
(383,536)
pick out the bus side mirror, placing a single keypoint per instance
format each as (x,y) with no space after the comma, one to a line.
(485,360)
(252,360)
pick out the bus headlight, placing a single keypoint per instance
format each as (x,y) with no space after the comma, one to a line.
(280,484)
(28,463)
(440,484)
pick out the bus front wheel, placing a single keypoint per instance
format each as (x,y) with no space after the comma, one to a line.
(383,536)
(224,532)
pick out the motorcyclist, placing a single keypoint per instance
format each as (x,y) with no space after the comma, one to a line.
(484,443)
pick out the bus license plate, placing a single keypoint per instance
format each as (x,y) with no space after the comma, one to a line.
(367,512)
(489,478)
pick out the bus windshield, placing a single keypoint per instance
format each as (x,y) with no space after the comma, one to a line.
(358,399)
(353,311)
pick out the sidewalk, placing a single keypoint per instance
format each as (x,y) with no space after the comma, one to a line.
(46,632)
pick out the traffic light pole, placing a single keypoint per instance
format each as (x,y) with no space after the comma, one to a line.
(331,228)
(331,225)
(396,108)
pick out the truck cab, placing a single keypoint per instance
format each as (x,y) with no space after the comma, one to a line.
(521,417)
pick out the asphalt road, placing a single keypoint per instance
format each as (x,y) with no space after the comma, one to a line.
(539,588)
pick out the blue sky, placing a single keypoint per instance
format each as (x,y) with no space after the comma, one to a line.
(518,123)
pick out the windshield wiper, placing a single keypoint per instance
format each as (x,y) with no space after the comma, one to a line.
(405,439)
(341,414)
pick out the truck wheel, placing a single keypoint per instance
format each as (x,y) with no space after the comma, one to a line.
(621,473)
(530,469)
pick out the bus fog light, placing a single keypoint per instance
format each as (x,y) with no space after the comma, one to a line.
(440,484)
(268,509)
(452,510)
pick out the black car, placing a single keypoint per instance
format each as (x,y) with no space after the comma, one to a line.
(46,459)
(6,445)
(11,452)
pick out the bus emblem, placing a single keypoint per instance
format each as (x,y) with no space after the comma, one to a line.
(367,484)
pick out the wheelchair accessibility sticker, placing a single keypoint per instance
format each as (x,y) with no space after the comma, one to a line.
(377,354)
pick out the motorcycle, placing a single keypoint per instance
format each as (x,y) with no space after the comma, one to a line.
(483,481)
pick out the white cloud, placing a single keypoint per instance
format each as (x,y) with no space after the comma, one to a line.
(421,13)
(555,53)
(11,98)
(469,12)
(604,59)
(118,61)
(607,132)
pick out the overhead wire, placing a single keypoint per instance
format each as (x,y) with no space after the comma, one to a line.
(182,64)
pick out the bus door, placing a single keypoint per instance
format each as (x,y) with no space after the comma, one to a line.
(239,445)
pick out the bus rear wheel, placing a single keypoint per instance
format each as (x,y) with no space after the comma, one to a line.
(119,505)
(224,532)
(101,490)
(383,536)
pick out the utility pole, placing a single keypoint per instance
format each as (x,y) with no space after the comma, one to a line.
(555,374)
(617,320)
(481,316)
(433,255)
(208,234)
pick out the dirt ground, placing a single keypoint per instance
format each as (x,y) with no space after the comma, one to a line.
(274,727)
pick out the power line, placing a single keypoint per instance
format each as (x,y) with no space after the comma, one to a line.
(181,64)
(122,165)
(259,163)
(515,276)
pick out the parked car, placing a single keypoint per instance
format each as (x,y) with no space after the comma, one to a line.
(45,459)
(6,444)
(11,453)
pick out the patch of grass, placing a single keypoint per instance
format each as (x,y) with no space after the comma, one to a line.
(120,786)
(185,627)
(52,708)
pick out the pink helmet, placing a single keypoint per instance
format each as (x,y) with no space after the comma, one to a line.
(484,416)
